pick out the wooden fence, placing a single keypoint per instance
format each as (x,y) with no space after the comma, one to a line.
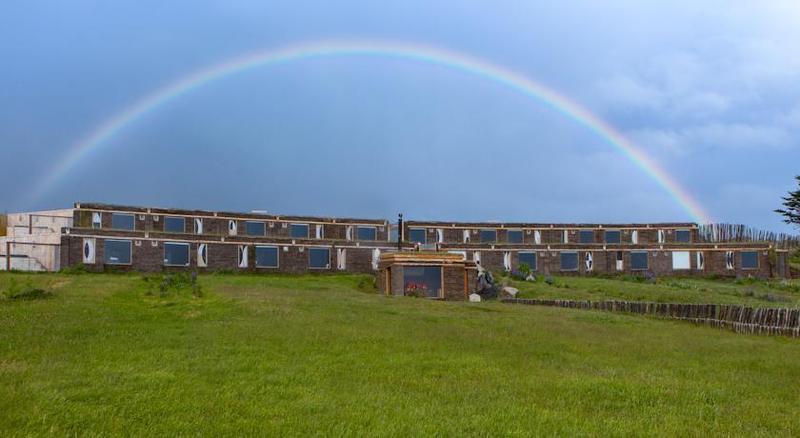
(740,319)
(723,233)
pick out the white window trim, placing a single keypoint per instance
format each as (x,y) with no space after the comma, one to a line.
(424,233)
(535,256)
(328,266)
(132,215)
(577,261)
(247,232)
(277,258)
(130,255)
(174,217)
(188,253)
(647,257)
(308,230)
(741,261)
(688,260)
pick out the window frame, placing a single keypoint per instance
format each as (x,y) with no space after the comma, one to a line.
(688,259)
(188,253)
(521,236)
(277,256)
(247,231)
(581,233)
(487,230)
(535,259)
(424,233)
(605,237)
(133,221)
(167,218)
(561,261)
(130,252)
(741,260)
(366,227)
(328,265)
(292,228)
(688,235)
(646,257)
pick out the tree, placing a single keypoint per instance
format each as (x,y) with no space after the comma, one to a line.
(791,203)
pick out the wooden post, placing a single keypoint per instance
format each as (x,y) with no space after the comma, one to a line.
(8,256)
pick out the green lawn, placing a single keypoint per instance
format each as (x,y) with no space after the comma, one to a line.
(281,355)
(756,293)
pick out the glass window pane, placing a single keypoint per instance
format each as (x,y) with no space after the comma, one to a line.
(488,236)
(416,235)
(174,224)
(587,236)
(749,260)
(569,261)
(121,221)
(680,260)
(639,260)
(393,233)
(176,254)
(117,252)
(683,236)
(426,278)
(299,231)
(255,228)
(612,236)
(514,236)
(266,257)
(528,258)
(366,233)
(319,258)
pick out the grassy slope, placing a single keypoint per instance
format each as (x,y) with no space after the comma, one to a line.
(668,290)
(302,355)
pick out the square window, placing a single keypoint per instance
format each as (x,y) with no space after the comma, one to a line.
(253,228)
(680,260)
(514,236)
(266,256)
(393,233)
(528,258)
(299,231)
(569,261)
(425,279)
(417,235)
(319,258)
(612,236)
(174,224)
(683,236)
(117,252)
(488,236)
(639,260)
(176,254)
(366,233)
(587,236)
(120,221)
(749,260)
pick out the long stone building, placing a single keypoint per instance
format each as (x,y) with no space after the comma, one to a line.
(101,237)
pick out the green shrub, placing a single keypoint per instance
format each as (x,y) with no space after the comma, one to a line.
(26,291)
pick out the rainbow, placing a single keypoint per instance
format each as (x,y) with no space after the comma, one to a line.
(414,52)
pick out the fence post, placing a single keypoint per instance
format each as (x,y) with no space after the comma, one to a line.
(8,256)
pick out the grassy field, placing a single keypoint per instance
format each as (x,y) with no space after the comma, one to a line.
(756,293)
(269,355)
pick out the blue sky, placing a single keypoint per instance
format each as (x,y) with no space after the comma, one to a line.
(708,89)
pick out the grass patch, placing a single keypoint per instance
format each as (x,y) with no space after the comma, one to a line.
(317,354)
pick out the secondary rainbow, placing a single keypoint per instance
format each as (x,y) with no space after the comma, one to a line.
(415,52)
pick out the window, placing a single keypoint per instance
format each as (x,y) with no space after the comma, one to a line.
(266,257)
(299,231)
(366,233)
(425,279)
(749,260)
(587,236)
(393,233)
(488,236)
(121,221)
(417,235)
(613,236)
(117,252)
(514,236)
(639,260)
(174,224)
(528,258)
(176,254)
(97,221)
(683,236)
(255,228)
(680,260)
(569,261)
(319,258)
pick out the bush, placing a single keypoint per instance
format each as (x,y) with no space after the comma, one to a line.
(27,291)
